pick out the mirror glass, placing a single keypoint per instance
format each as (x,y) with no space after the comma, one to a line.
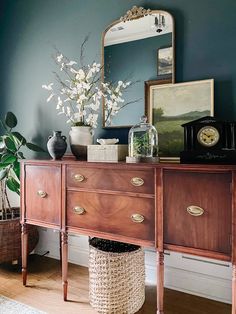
(134,50)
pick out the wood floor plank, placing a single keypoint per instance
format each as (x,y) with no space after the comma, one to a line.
(44,291)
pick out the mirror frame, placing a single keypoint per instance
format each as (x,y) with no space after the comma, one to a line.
(133,14)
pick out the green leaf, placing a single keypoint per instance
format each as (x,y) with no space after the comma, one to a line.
(34,147)
(10,144)
(20,155)
(19,139)
(3,155)
(2,145)
(3,174)
(3,165)
(16,169)
(8,159)
(13,185)
(10,120)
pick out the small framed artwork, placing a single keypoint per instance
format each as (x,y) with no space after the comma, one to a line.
(168,106)
(164,61)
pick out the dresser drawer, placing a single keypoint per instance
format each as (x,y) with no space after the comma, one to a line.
(138,181)
(197,210)
(43,193)
(112,214)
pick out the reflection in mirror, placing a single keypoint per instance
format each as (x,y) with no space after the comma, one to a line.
(136,49)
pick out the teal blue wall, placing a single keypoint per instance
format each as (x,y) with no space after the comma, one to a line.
(135,61)
(29,29)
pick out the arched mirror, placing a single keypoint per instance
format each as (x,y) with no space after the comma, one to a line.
(137,48)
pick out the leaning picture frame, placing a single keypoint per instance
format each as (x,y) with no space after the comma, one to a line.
(168,106)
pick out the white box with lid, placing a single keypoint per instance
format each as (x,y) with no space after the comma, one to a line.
(107,153)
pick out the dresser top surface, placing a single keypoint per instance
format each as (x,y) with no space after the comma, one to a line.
(123,165)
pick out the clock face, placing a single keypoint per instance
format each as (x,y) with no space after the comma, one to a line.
(208,136)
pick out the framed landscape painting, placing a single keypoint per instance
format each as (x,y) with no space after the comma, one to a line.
(168,106)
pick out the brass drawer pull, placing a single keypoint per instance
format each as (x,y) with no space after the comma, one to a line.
(137,181)
(138,218)
(195,210)
(42,193)
(79,210)
(79,177)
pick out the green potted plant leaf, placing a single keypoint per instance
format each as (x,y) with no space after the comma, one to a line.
(11,144)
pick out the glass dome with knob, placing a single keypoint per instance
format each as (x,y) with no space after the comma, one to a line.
(143,142)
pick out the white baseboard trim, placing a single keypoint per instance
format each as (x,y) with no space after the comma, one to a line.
(198,276)
(193,283)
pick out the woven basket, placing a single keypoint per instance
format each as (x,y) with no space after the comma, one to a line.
(116,281)
(10,239)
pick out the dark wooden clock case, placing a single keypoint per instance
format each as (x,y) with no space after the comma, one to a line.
(224,152)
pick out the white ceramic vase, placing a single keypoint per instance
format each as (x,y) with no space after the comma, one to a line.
(79,138)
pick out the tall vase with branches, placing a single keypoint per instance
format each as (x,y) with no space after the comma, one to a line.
(79,89)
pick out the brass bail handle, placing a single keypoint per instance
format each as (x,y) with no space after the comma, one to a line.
(42,193)
(195,210)
(79,210)
(138,218)
(136,181)
(79,177)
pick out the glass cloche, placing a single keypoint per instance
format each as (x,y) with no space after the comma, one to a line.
(143,140)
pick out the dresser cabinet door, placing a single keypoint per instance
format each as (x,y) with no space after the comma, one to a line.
(120,215)
(197,210)
(43,193)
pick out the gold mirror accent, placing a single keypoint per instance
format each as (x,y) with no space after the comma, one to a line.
(79,177)
(42,193)
(137,181)
(138,218)
(135,13)
(195,210)
(79,210)
(141,34)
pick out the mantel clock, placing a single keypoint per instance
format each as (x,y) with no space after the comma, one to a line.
(208,140)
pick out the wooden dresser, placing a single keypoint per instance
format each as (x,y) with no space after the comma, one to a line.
(182,208)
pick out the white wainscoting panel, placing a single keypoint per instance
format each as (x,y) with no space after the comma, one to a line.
(191,274)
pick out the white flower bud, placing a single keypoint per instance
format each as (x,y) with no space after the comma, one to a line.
(50,97)
(59,58)
(48,87)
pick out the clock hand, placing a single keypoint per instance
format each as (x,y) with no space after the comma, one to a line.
(206,134)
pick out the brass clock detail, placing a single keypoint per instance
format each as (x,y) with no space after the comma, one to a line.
(208,136)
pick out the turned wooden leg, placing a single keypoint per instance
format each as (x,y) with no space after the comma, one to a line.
(60,241)
(24,251)
(160,282)
(234,290)
(64,261)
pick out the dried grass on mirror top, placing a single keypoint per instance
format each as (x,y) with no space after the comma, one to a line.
(44,291)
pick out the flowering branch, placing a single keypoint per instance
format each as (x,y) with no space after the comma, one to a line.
(113,99)
(77,95)
(82,50)
(79,98)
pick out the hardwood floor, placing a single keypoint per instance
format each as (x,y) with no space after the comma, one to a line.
(44,291)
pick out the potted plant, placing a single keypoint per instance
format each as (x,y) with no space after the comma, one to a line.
(11,143)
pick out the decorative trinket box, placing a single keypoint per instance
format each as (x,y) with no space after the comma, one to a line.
(107,153)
